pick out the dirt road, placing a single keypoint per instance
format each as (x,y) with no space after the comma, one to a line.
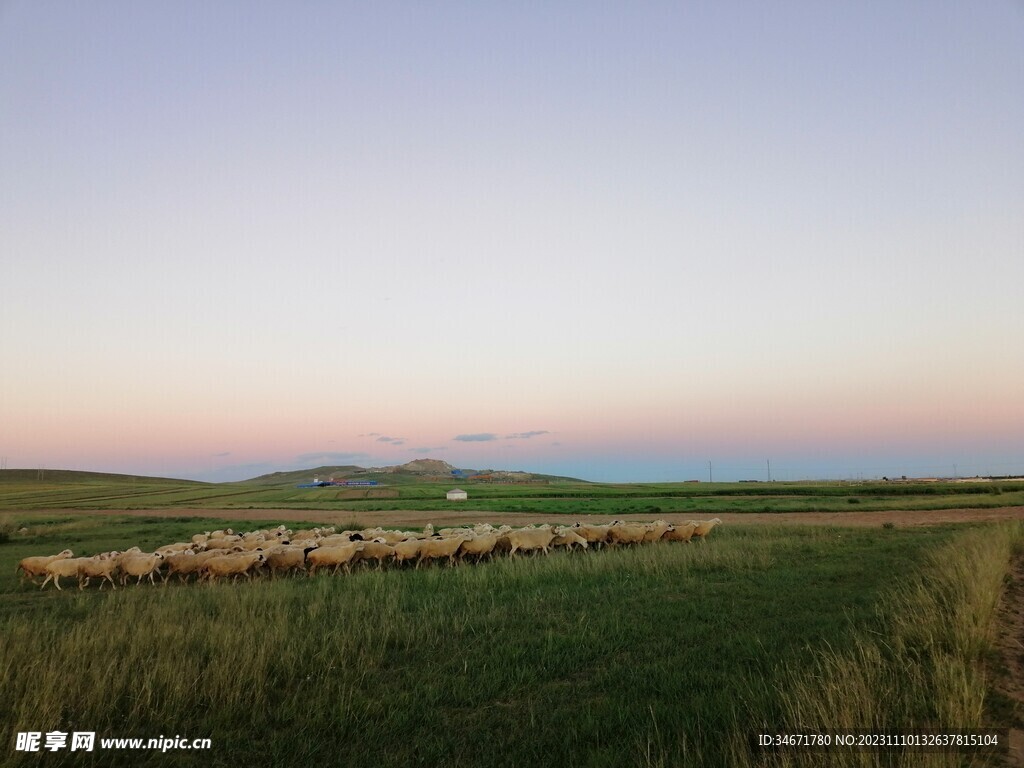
(462,515)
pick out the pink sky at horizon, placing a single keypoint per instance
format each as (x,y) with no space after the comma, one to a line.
(192,443)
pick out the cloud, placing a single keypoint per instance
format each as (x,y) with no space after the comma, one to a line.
(527,435)
(427,450)
(369,434)
(479,437)
(330,457)
(392,440)
(221,455)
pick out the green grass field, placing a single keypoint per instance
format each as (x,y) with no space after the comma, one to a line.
(667,654)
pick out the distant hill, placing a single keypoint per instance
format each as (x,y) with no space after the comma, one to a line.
(425,467)
(79,476)
(415,471)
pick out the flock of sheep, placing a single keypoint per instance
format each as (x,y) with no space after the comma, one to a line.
(221,554)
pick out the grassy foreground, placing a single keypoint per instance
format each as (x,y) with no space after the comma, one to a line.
(661,655)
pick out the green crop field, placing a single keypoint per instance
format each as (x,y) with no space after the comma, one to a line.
(54,489)
(663,654)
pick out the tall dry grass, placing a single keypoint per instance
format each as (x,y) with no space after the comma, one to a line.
(923,672)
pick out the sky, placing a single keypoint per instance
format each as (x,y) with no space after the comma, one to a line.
(619,241)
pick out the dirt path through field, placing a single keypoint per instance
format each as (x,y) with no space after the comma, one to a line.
(1009,642)
(461,515)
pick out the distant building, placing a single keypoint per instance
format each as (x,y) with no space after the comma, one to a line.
(457,494)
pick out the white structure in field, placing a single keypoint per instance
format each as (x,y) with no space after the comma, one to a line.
(457,494)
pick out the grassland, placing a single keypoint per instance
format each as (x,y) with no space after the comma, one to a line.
(23,490)
(660,655)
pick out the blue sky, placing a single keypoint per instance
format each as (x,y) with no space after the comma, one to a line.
(243,234)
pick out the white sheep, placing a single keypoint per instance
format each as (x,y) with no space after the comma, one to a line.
(67,566)
(530,539)
(103,567)
(233,565)
(479,546)
(180,546)
(287,557)
(393,537)
(703,527)
(439,548)
(568,538)
(655,531)
(377,550)
(626,533)
(223,542)
(407,550)
(681,532)
(334,540)
(140,565)
(64,566)
(31,567)
(338,557)
(185,564)
(594,534)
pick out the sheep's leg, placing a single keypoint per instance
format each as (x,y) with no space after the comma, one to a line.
(48,577)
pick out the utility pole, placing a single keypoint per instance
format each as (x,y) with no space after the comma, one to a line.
(769,470)
(711,477)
